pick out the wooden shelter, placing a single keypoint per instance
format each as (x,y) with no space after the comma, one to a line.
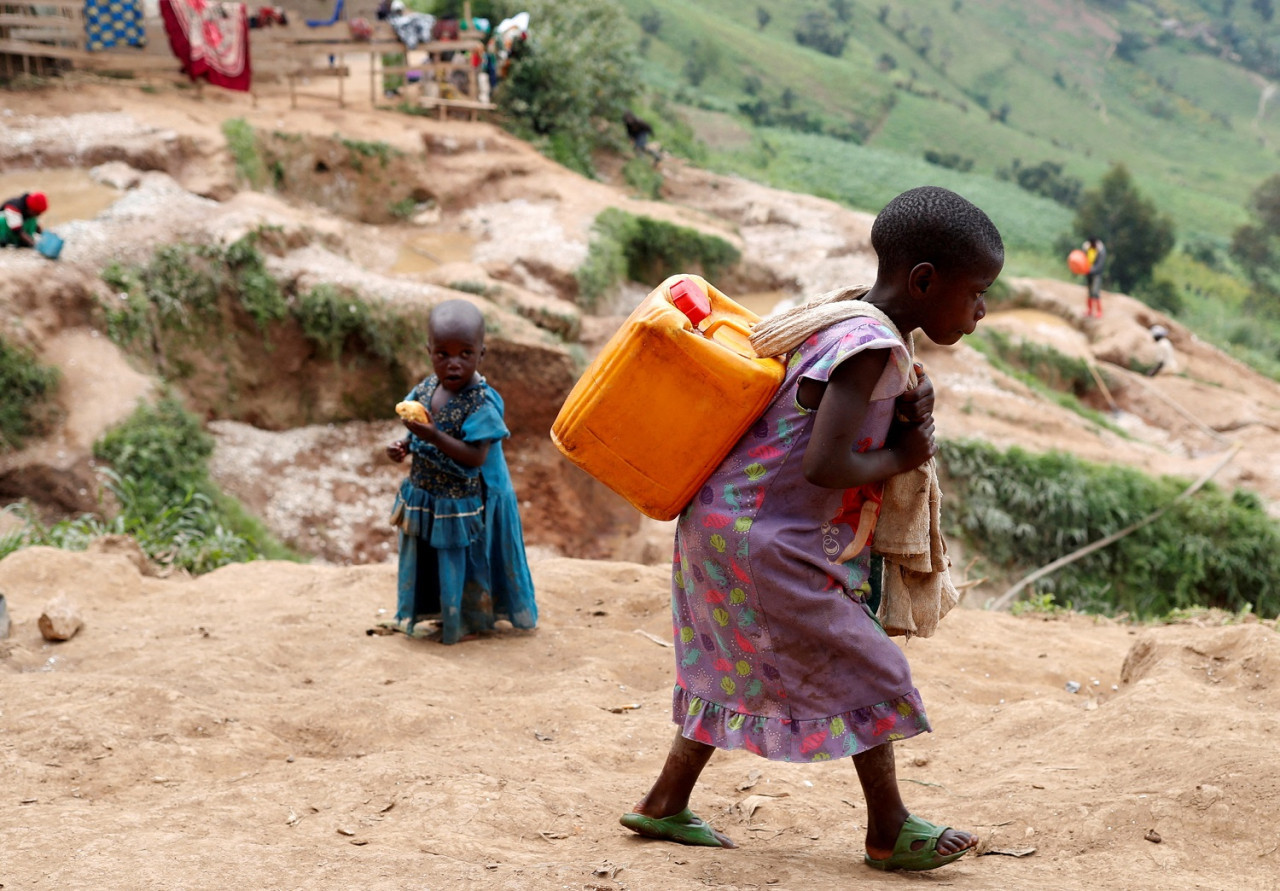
(48,38)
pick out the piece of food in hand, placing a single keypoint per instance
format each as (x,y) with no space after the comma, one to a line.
(413,411)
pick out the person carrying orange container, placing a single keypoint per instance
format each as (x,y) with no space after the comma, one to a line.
(1096,255)
(777,650)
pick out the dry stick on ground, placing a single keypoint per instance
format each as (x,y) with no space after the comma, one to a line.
(653,637)
(1007,597)
(1155,391)
(1097,378)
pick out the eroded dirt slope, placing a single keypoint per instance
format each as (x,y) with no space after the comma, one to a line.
(501,219)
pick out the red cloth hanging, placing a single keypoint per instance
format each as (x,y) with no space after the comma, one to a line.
(210,39)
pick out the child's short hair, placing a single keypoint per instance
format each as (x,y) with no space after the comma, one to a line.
(456,317)
(933,225)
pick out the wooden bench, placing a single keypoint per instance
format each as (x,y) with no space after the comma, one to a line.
(472,106)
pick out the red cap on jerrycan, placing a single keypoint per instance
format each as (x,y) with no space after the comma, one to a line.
(687,297)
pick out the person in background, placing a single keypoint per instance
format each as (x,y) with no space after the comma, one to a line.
(19,223)
(776,648)
(639,132)
(1096,251)
(1167,360)
(462,552)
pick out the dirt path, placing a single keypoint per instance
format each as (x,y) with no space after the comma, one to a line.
(244,726)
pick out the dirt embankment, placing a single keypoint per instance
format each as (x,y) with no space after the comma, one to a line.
(498,220)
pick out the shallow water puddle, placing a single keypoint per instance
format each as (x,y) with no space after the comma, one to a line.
(762,303)
(426,251)
(73,195)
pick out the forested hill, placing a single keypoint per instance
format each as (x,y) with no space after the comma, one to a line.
(857,99)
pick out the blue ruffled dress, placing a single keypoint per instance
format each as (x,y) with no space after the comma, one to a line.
(461,545)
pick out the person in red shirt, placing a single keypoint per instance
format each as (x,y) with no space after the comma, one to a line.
(19,223)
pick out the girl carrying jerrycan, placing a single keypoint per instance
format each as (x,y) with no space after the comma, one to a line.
(777,651)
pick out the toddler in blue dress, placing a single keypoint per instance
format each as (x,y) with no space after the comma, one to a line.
(462,553)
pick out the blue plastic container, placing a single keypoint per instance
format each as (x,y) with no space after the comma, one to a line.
(50,245)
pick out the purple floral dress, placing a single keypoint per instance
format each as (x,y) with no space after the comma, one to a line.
(776,652)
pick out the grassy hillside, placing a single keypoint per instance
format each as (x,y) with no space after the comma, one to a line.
(1156,85)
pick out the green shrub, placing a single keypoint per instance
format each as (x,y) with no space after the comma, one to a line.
(167,501)
(480,289)
(360,148)
(1045,178)
(129,314)
(604,267)
(1136,234)
(656,249)
(242,142)
(646,250)
(403,209)
(949,160)
(1057,370)
(1161,294)
(818,30)
(257,289)
(328,316)
(182,290)
(177,535)
(1022,511)
(1053,375)
(183,285)
(576,71)
(1042,605)
(179,290)
(26,390)
(641,175)
(162,445)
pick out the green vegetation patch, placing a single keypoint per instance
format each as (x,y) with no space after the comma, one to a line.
(166,500)
(1056,376)
(576,70)
(180,290)
(185,292)
(336,320)
(403,208)
(242,142)
(643,176)
(642,249)
(26,392)
(358,149)
(1051,367)
(1022,511)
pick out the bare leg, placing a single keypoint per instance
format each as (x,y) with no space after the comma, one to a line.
(885,811)
(671,790)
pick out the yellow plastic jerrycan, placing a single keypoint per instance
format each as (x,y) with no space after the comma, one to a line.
(666,399)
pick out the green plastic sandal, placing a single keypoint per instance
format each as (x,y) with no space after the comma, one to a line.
(686,827)
(926,857)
